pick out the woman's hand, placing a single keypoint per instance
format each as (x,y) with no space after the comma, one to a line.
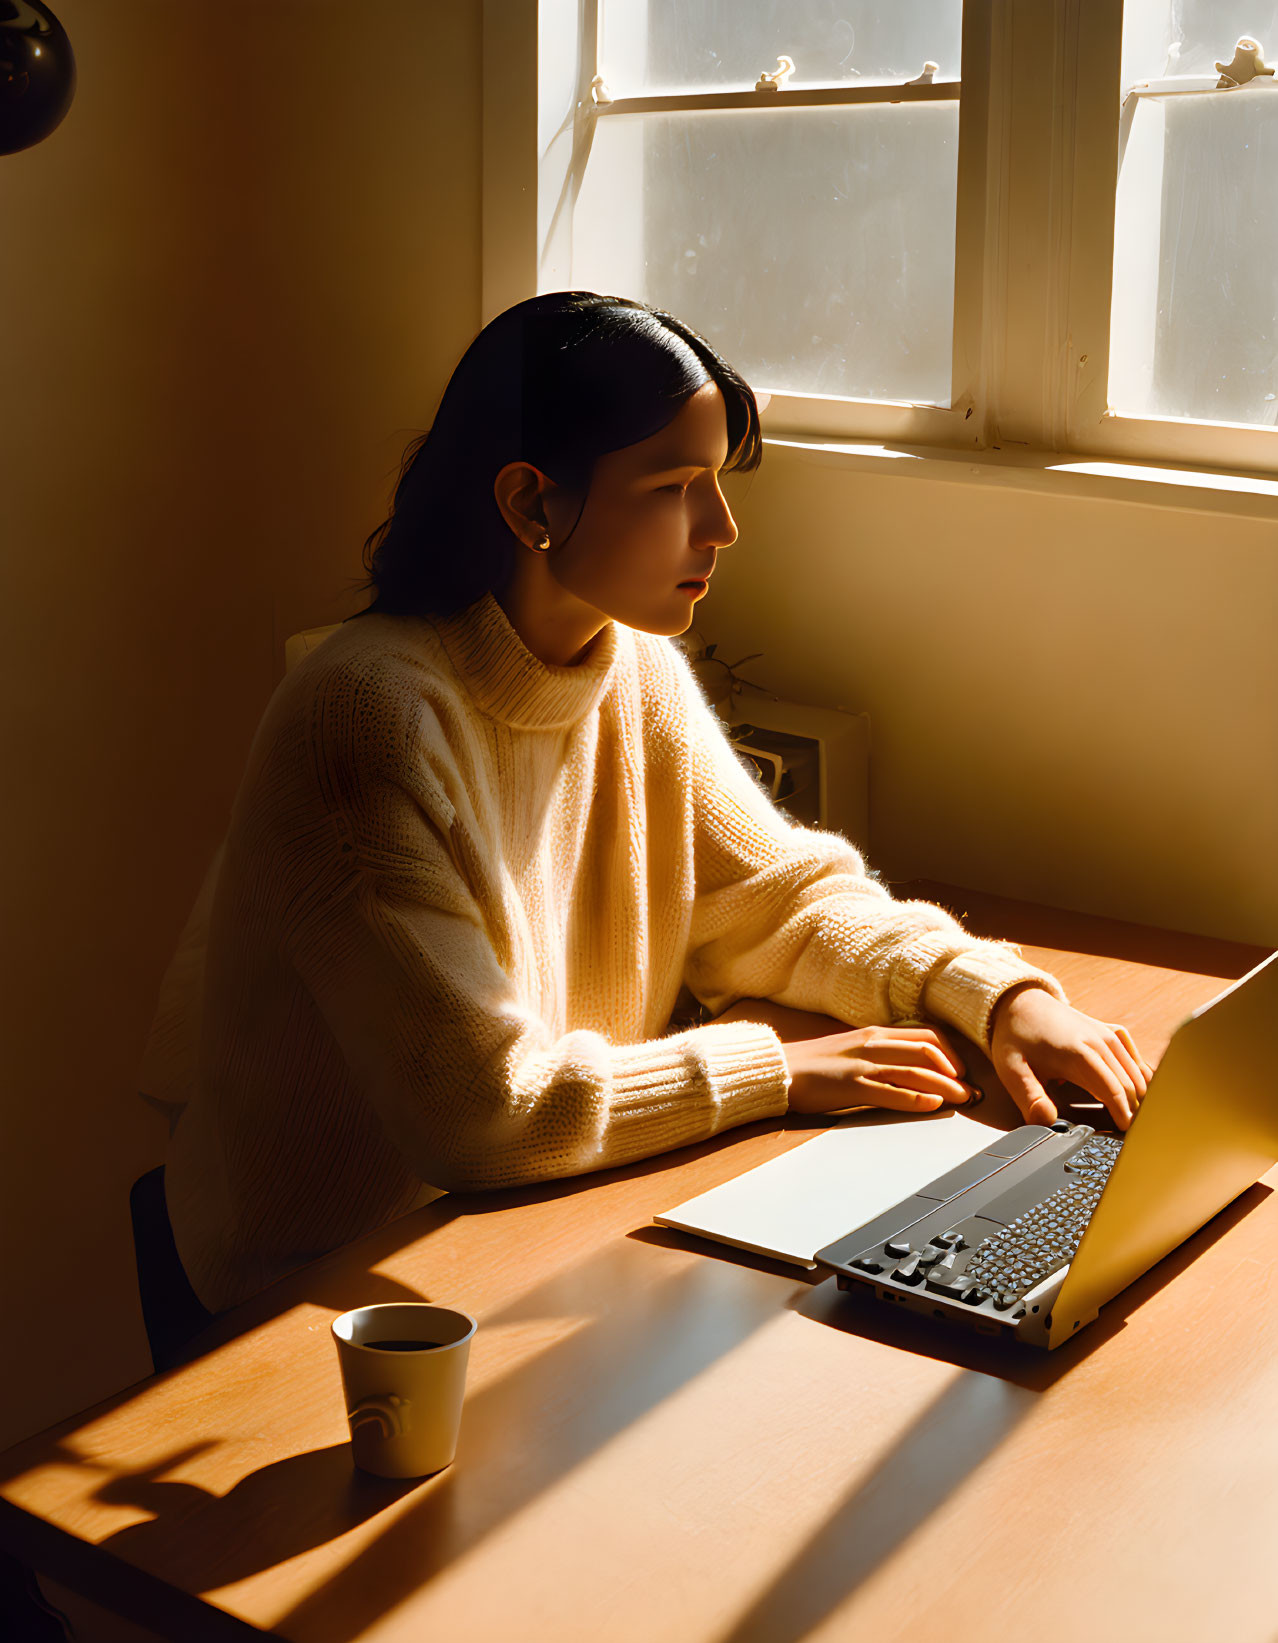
(1034,1038)
(910,1069)
(833,1066)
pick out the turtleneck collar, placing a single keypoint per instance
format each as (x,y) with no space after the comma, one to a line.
(512,685)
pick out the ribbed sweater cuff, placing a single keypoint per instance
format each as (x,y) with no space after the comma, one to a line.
(966,990)
(737,1068)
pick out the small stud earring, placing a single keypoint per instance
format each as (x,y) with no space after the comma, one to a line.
(542,546)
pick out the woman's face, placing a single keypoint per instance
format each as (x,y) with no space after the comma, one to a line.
(652,525)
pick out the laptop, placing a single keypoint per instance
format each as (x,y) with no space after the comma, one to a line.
(1030,1236)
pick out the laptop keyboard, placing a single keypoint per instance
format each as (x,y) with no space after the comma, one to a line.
(1036,1239)
(1045,1238)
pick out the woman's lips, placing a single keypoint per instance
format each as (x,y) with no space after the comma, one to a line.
(700,585)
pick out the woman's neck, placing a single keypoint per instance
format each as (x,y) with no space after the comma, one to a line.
(554,625)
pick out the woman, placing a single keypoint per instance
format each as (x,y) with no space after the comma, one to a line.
(491,836)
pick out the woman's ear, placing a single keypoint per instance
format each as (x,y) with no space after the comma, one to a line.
(519,490)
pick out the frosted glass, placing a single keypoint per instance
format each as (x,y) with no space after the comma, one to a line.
(813,247)
(700,45)
(1195,312)
(1171,37)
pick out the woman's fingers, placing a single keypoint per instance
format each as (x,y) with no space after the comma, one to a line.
(878,1093)
(1020,1082)
(1125,1062)
(1125,1038)
(865,1074)
(1129,1077)
(1128,1065)
(1100,1077)
(919,1049)
(926,1079)
(1036,1036)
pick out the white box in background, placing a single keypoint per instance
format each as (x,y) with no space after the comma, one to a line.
(836,795)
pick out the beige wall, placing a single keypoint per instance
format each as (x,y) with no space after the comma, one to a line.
(234,280)
(1072,681)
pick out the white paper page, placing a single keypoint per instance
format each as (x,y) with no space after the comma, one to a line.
(794,1205)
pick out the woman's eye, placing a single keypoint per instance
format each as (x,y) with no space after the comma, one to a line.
(678,489)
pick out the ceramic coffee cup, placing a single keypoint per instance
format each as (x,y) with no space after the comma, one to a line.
(404,1373)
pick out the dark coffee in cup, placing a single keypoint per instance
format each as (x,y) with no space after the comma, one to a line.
(401,1346)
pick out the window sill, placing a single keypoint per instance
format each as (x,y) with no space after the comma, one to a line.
(1051,473)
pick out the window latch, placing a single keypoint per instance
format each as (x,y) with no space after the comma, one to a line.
(599,92)
(930,71)
(1248,65)
(778,77)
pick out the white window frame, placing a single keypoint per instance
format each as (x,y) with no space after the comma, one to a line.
(1092,37)
(1037,178)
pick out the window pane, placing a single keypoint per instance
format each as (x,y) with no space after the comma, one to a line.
(1169,37)
(703,45)
(1195,313)
(813,247)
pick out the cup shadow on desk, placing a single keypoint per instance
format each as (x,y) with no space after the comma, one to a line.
(218,1552)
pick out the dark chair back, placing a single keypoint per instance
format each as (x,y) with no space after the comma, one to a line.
(171,1310)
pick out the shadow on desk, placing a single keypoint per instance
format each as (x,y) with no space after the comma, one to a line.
(859,1313)
(952,1438)
(672,1327)
(639,1331)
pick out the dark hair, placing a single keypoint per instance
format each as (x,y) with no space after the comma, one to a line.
(556,381)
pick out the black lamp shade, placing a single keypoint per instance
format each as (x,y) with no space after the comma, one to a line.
(37,73)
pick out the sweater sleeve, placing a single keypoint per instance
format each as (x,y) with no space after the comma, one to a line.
(471,1086)
(791,914)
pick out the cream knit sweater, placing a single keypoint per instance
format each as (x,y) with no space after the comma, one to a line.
(458,902)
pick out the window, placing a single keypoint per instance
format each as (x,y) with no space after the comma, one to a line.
(1035,223)
(1194,314)
(741,192)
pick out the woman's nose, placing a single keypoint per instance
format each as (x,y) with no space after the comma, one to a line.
(719,528)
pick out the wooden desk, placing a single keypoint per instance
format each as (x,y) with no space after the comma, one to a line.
(662,1442)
